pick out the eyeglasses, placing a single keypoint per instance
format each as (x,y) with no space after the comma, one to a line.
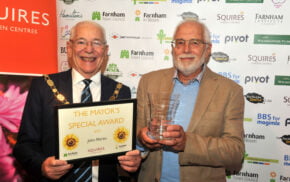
(192,43)
(81,43)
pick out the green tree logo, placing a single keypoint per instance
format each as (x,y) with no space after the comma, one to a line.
(124,54)
(112,68)
(96,15)
(161,35)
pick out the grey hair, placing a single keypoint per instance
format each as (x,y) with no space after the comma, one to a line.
(73,29)
(206,33)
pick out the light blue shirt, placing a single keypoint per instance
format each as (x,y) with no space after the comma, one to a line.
(187,95)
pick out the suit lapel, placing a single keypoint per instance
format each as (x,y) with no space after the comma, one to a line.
(208,86)
(65,85)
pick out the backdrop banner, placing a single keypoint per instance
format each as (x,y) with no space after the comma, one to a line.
(250,39)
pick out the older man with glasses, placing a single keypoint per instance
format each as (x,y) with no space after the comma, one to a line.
(36,144)
(206,139)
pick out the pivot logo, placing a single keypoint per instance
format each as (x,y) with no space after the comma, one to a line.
(285,139)
(207,1)
(236,38)
(267,119)
(287,121)
(254,98)
(124,54)
(257,79)
(161,36)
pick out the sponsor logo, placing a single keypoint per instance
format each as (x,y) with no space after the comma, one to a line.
(254,98)
(236,38)
(215,38)
(148,1)
(116,36)
(278,3)
(231,18)
(272,39)
(268,19)
(181,1)
(189,15)
(285,139)
(166,55)
(282,80)
(65,32)
(244,1)
(68,1)
(259,161)
(64,66)
(268,119)
(286,100)
(207,1)
(112,71)
(220,57)
(288,60)
(273,176)
(262,59)
(248,119)
(161,36)
(23,16)
(149,17)
(133,54)
(231,76)
(256,79)
(62,50)
(284,178)
(70,15)
(253,138)
(108,16)
(244,176)
(287,160)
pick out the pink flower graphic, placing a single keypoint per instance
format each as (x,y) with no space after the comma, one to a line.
(11,108)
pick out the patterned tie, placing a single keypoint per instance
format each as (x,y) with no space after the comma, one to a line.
(86,93)
(83,173)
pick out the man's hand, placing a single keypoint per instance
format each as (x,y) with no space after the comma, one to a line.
(178,138)
(55,169)
(146,141)
(130,161)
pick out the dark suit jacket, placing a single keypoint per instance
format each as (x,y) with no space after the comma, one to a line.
(37,135)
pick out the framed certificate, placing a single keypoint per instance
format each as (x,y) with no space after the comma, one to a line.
(94,130)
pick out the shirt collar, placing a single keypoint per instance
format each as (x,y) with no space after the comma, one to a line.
(78,78)
(198,78)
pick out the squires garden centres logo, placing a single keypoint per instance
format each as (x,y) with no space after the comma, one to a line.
(22,20)
(70,142)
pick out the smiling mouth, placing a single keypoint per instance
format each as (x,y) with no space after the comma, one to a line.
(88,59)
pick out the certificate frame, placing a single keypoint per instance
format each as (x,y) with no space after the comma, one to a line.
(90,131)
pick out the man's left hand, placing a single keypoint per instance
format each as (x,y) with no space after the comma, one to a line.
(130,161)
(177,138)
